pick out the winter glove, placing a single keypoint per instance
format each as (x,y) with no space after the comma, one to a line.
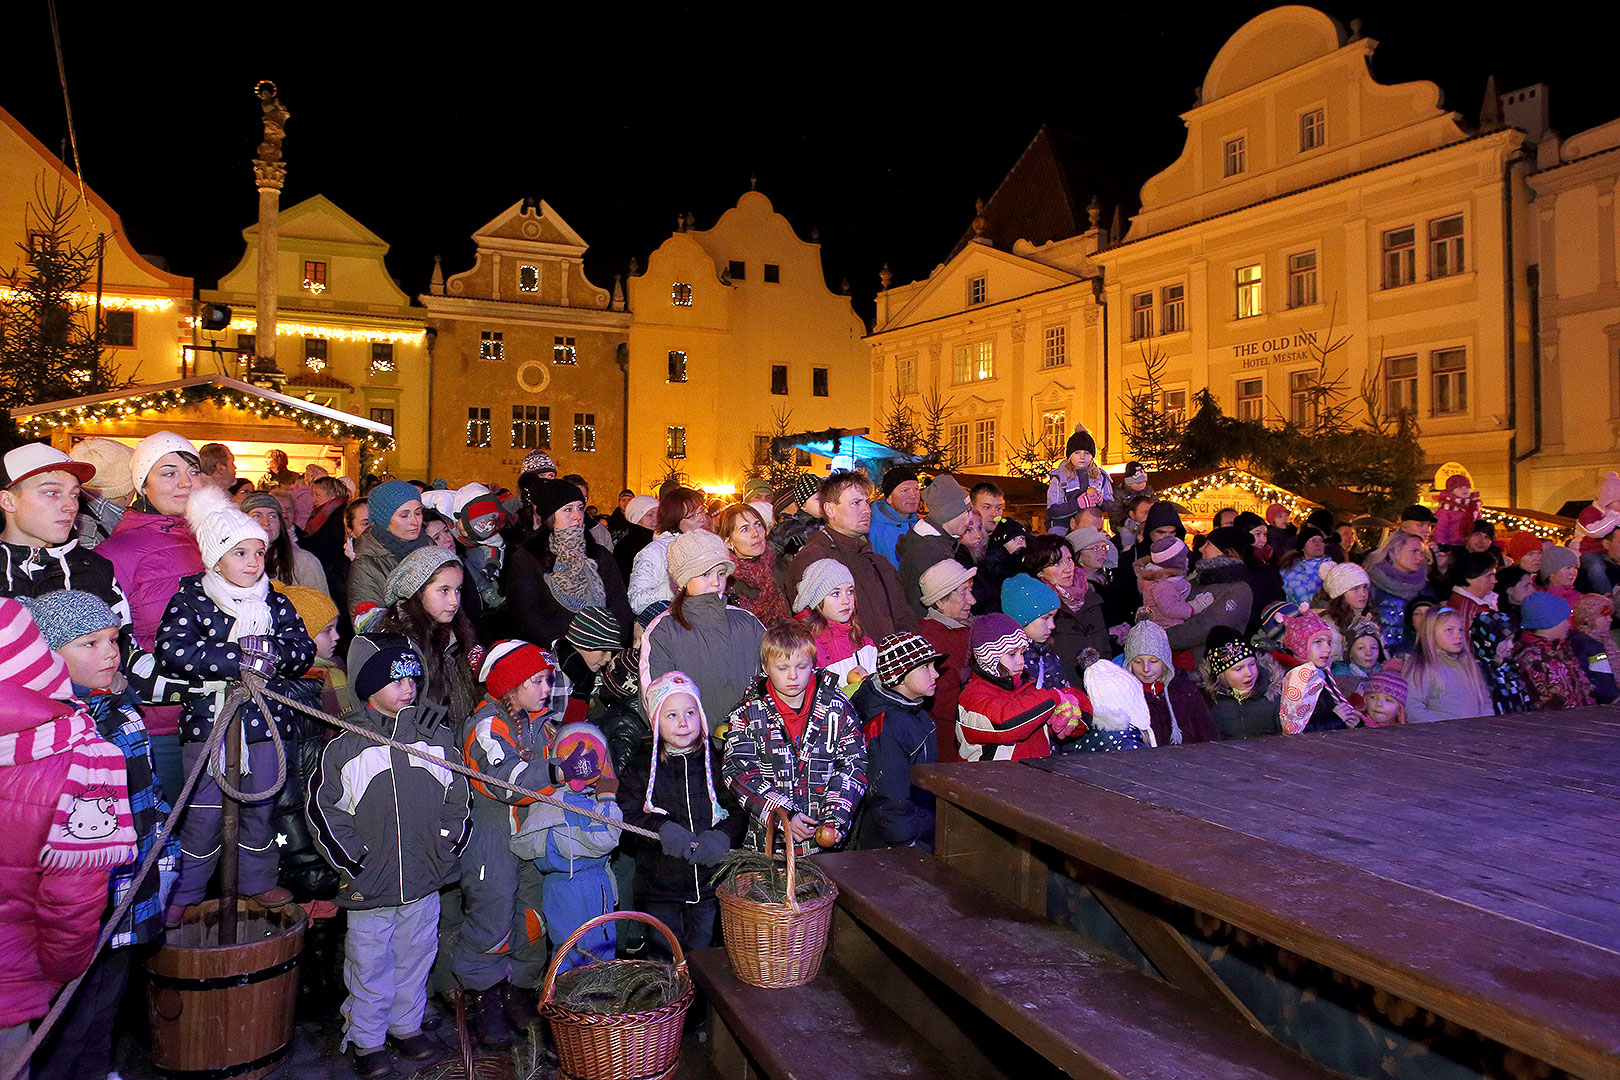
(259,655)
(1091,497)
(1202,601)
(676,839)
(712,846)
(607,786)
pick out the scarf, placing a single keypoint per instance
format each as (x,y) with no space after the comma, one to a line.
(1386,578)
(945,620)
(92,827)
(1072,596)
(574,579)
(767,604)
(396,547)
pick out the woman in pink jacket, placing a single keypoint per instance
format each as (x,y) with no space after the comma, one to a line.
(151,550)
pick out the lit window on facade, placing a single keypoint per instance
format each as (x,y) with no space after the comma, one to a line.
(531,427)
(315,353)
(675,442)
(584,433)
(314,277)
(1301,399)
(382,357)
(491,345)
(478,427)
(563,351)
(974,363)
(528,279)
(1251,299)
(959,443)
(1251,399)
(1054,431)
(680,294)
(1055,347)
(984,441)
(677,365)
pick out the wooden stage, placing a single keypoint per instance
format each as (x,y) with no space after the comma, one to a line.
(1469,868)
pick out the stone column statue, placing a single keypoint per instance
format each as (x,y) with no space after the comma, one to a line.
(269,174)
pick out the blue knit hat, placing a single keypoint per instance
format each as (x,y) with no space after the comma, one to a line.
(1542,610)
(386,499)
(67,614)
(1027,598)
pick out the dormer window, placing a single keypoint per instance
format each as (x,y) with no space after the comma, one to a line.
(680,294)
(1236,157)
(528,279)
(978,290)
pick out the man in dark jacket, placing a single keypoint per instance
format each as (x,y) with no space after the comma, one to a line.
(936,537)
(880,598)
(1004,551)
(899,734)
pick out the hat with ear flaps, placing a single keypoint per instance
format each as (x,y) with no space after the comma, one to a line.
(663,688)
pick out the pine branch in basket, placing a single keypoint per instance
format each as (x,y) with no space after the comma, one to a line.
(620,986)
(754,875)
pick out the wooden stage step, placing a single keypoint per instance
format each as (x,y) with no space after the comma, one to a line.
(1086,1013)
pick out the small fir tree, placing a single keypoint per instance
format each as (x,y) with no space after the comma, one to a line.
(1152,433)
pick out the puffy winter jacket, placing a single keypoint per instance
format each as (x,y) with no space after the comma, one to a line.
(1002,719)
(888,525)
(1067,491)
(679,789)
(1245,718)
(1165,593)
(649,574)
(899,734)
(368,572)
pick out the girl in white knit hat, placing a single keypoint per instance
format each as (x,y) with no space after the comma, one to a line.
(826,603)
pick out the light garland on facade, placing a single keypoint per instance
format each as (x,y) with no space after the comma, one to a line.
(1243,481)
(331,333)
(108,301)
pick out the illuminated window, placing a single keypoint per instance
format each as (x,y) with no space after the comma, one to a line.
(584,433)
(978,290)
(528,279)
(1172,309)
(818,382)
(1400,257)
(905,374)
(383,416)
(1174,406)
(1446,246)
(1312,129)
(1141,316)
(1302,279)
(959,443)
(984,441)
(478,427)
(1448,382)
(118,329)
(677,365)
(1301,399)
(382,357)
(1251,399)
(1236,156)
(562,351)
(1251,300)
(773,274)
(680,294)
(1400,384)
(491,345)
(314,276)
(973,363)
(779,384)
(1054,431)
(315,353)
(531,427)
(737,270)
(675,442)
(1055,347)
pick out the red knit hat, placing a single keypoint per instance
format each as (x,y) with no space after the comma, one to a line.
(1519,544)
(510,664)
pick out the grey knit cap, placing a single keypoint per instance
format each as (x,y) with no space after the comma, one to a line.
(414,571)
(820,579)
(1147,638)
(67,614)
(946,500)
(594,628)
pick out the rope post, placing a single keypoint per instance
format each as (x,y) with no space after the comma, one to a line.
(230,822)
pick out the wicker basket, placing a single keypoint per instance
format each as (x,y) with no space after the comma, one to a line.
(776,945)
(617,1046)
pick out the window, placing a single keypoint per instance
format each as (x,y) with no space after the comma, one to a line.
(1251,399)
(1301,399)
(118,329)
(1251,299)
(1312,129)
(675,442)
(738,270)
(680,294)
(491,345)
(382,357)
(531,427)
(247,344)
(1302,279)
(818,382)
(959,443)
(1172,309)
(314,276)
(762,449)
(1400,384)
(1448,375)
(477,427)
(315,353)
(1055,431)
(1446,246)
(563,352)
(1400,257)
(584,433)
(1055,347)
(984,441)
(677,365)
(1141,316)
(1236,157)
(528,279)
(779,379)
(974,362)
(1174,406)
(978,290)
(773,274)
(37,242)
(383,416)
(905,374)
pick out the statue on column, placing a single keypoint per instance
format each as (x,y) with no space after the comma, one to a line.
(267,167)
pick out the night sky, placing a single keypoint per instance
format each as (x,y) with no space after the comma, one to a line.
(856,121)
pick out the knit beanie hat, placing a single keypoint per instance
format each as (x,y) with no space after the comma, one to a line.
(1340,578)
(1248,521)
(993,636)
(1080,440)
(637,508)
(1224,650)
(1519,544)
(546,497)
(1542,610)
(1086,536)
(386,499)
(1386,682)
(900,654)
(110,459)
(1117,700)
(1134,473)
(441,501)
(1027,598)
(1487,528)
(1301,629)
(946,500)
(1147,638)
(1556,559)
(1164,513)
(941,579)
(263,500)
(594,628)
(25,659)
(511,663)
(537,461)
(1170,553)
(781,499)
(1274,618)
(218,525)
(767,512)
(1231,538)
(414,571)
(148,450)
(1592,609)
(820,579)
(1273,509)
(67,614)
(693,554)
(1608,491)
(481,516)
(375,660)
(1419,512)
(662,689)
(805,487)
(314,607)
(896,476)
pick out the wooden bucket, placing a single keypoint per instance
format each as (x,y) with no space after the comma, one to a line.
(225,1011)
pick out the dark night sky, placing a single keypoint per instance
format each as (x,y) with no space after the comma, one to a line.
(881,134)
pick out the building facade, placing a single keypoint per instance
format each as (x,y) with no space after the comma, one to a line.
(526,356)
(347,337)
(733,336)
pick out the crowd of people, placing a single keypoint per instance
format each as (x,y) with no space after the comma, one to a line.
(679,665)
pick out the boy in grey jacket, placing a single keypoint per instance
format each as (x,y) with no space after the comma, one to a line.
(393,827)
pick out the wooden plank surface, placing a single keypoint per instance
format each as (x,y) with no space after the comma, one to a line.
(1545,992)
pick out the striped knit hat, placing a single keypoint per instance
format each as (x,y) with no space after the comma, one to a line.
(594,628)
(993,636)
(1386,682)
(511,663)
(25,659)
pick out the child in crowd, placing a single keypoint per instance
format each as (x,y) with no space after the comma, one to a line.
(1342,601)
(1555,675)
(1134,526)
(1383,699)
(1001,715)
(1512,586)
(1118,717)
(1592,638)
(1445,683)
(81,629)
(1033,604)
(320,618)
(899,734)
(1559,568)
(219,625)
(393,826)
(423,594)
(1311,700)
(585,649)
(795,743)
(1165,588)
(1239,707)
(1492,637)
(1303,565)
(826,604)
(676,790)
(1364,656)
(1176,705)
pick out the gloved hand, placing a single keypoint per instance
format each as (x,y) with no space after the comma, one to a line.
(712,845)
(1202,601)
(259,655)
(1091,497)
(676,839)
(607,786)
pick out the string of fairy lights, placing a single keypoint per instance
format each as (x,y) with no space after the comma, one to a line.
(1244,481)
(109,301)
(379,335)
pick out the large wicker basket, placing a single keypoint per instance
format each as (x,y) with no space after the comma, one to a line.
(776,945)
(617,1046)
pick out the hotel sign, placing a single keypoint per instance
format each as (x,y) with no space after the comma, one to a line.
(1282,349)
